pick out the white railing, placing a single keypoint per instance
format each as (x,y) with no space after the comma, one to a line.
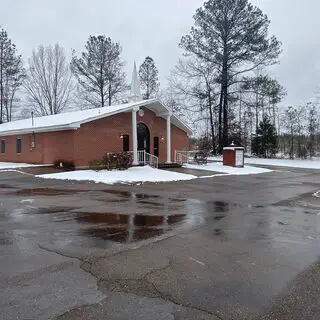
(141,156)
(183,157)
(145,158)
(151,160)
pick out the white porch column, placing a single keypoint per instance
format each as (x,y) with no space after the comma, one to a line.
(134,137)
(169,138)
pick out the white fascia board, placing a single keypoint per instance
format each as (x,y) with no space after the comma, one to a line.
(38,130)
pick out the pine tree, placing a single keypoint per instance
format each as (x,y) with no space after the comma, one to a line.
(99,71)
(149,78)
(264,143)
(232,35)
(11,75)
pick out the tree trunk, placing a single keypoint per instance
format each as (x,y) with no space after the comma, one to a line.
(211,123)
(220,121)
(257,113)
(110,96)
(102,97)
(1,82)
(225,94)
(291,153)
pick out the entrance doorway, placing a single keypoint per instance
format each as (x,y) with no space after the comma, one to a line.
(143,137)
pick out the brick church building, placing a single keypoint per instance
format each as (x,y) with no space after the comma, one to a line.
(140,126)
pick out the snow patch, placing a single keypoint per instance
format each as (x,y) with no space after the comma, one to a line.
(13,165)
(219,167)
(132,175)
(304,164)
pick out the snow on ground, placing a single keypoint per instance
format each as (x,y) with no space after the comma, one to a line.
(135,174)
(219,167)
(12,165)
(305,164)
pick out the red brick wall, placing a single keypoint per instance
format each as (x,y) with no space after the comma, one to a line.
(58,146)
(96,138)
(49,146)
(92,141)
(27,154)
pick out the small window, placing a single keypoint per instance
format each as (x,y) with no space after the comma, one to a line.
(3,146)
(19,146)
(125,143)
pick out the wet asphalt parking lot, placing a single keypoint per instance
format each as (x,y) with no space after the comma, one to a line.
(230,247)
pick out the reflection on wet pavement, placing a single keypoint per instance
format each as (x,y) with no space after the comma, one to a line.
(5,239)
(130,217)
(6,186)
(126,228)
(46,192)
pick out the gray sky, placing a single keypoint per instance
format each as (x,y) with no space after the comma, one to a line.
(154,28)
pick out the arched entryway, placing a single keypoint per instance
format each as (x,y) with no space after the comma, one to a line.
(143,137)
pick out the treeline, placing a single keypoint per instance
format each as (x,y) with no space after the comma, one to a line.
(299,131)
(221,85)
(50,83)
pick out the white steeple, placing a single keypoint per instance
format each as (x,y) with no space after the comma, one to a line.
(135,94)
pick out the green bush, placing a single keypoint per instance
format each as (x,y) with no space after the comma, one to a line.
(117,160)
(112,160)
(96,165)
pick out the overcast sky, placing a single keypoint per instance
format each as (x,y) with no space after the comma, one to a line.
(154,28)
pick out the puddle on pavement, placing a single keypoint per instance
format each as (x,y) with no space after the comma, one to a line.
(6,186)
(46,192)
(151,203)
(128,194)
(5,240)
(126,228)
(218,206)
(172,214)
(120,193)
(123,196)
(96,217)
(122,235)
(177,199)
(53,210)
(219,217)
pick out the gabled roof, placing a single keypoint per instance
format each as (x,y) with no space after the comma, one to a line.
(73,120)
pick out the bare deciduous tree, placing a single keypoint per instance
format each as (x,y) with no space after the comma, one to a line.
(194,81)
(49,80)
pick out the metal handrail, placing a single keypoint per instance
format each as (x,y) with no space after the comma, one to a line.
(145,158)
(152,160)
(182,157)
